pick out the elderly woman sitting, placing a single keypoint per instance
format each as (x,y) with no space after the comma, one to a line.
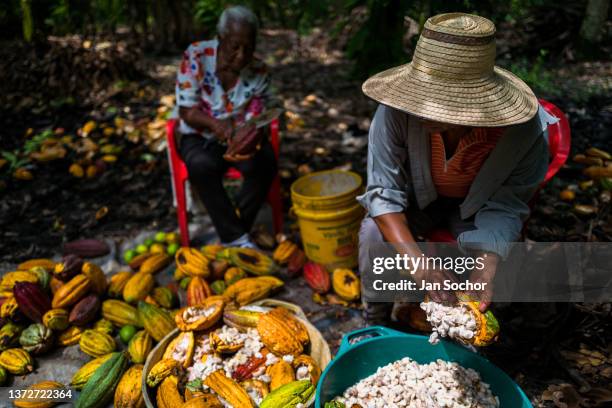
(220,85)
(456,142)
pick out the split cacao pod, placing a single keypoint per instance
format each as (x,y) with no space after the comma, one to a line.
(317,277)
(87,248)
(96,276)
(181,349)
(251,260)
(16,361)
(280,373)
(201,317)
(282,333)
(70,266)
(229,390)
(71,292)
(32,300)
(155,263)
(36,339)
(129,390)
(346,284)
(85,311)
(138,287)
(33,401)
(140,346)
(117,282)
(96,343)
(488,328)
(83,374)
(197,291)
(120,313)
(192,262)
(157,322)
(99,389)
(161,370)
(306,368)
(168,395)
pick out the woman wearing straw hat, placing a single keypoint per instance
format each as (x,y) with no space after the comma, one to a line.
(455,141)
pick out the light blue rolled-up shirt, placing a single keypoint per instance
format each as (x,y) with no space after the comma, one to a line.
(399,173)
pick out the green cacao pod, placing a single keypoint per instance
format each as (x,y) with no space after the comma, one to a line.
(140,346)
(164,297)
(83,374)
(157,322)
(36,339)
(99,389)
(56,319)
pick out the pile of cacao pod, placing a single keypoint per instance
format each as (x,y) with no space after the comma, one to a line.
(590,195)
(247,356)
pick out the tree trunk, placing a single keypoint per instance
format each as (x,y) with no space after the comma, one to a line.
(593,25)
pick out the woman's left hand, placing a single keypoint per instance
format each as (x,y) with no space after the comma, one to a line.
(486,275)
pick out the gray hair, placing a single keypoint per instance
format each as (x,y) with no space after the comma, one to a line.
(237,14)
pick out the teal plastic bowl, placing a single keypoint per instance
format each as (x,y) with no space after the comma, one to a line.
(357,359)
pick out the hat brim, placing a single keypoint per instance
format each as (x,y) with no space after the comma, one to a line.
(501,99)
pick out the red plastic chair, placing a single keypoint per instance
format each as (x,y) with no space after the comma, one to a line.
(559,142)
(180,176)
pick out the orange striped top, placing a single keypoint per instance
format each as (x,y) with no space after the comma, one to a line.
(453,177)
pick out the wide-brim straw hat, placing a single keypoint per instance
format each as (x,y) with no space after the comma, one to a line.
(453,78)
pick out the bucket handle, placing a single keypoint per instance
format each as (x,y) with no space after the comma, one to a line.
(353,338)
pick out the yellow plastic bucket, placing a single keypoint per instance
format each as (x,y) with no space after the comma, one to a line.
(329,216)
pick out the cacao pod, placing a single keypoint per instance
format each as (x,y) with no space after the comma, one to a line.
(96,344)
(280,373)
(70,336)
(203,401)
(256,389)
(164,297)
(32,300)
(87,248)
(233,274)
(83,374)
(85,311)
(9,334)
(104,326)
(140,346)
(120,313)
(44,278)
(317,277)
(289,395)
(47,264)
(346,284)
(10,278)
(202,317)
(155,263)
(70,266)
(241,319)
(33,401)
(221,346)
(191,262)
(99,389)
(138,287)
(168,395)
(306,368)
(16,361)
(211,251)
(248,290)
(117,283)
(157,322)
(36,339)
(96,276)
(9,309)
(138,260)
(228,389)
(71,292)
(251,260)
(282,333)
(218,287)
(296,263)
(488,328)
(129,390)
(181,348)
(55,284)
(283,252)
(161,370)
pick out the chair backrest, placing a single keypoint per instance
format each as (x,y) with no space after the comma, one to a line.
(559,140)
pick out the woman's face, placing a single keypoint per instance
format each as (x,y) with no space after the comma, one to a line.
(236,48)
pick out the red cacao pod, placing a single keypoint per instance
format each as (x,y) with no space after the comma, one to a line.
(296,262)
(85,311)
(69,267)
(197,291)
(317,277)
(87,248)
(32,300)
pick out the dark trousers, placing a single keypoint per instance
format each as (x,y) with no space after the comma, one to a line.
(206,165)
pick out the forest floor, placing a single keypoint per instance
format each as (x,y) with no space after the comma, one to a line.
(563,355)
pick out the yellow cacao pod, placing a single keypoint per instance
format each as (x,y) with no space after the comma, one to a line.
(306,368)
(181,348)
(10,278)
(96,276)
(280,373)
(210,251)
(56,319)
(70,336)
(155,263)
(283,252)
(229,390)
(346,284)
(202,400)
(16,361)
(248,290)
(71,292)
(201,317)
(128,393)
(33,402)
(233,274)
(9,308)
(55,284)
(96,343)
(117,283)
(168,395)
(47,264)
(138,287)
(161,370)
(120,313)
(83,374)
(104,326)
(140,346)
(281,334)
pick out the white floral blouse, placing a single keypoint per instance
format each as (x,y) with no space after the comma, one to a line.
(198,85)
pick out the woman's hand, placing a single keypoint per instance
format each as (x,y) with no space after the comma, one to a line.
(486,275)
(437,276)
(222,129)
(248,133)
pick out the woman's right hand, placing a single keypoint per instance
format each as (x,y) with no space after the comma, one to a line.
(222,130)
